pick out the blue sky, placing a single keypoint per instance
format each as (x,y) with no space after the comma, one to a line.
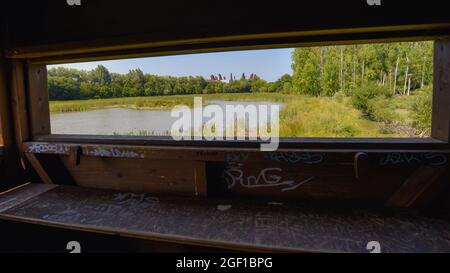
(269,64)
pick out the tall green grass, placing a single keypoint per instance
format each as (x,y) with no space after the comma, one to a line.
(157,103)
(327,117)
(302,116)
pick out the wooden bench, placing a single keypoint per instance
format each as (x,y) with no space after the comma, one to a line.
(244,225)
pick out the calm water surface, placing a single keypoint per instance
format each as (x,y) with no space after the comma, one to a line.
(122,121)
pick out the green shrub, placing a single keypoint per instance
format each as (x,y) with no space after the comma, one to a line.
(422,110)
(382,110)
(361,98)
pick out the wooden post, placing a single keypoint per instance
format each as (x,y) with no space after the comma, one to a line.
(10,168)
(5,130)
(420,189)
(19,103)
(38,100)
(441,91)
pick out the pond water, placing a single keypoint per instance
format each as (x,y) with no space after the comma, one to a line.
(124,121)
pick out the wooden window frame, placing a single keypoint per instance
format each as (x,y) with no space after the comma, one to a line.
(355,155)
(31,83)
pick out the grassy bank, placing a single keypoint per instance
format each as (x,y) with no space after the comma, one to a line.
(302,116)
(157,103)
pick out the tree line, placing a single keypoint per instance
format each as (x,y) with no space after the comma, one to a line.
(397,68)
(73,84)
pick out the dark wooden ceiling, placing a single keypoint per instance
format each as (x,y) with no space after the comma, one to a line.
(38,26)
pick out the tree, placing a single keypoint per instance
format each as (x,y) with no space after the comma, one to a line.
(61,88)
(283,84)
(306,65)
(100,75)
(331,74)
(134,83)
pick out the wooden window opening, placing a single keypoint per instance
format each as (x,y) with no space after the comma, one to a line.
(365,170)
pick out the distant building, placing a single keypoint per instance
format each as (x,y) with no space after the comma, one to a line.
(219,78)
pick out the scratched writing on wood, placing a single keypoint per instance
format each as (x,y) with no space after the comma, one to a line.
(125,205)
(38,148)
(266,178)
(113,152)
(67,214)
(267,221)
(134,202)
(432,159)
(293,157)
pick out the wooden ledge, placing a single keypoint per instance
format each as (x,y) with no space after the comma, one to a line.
(229,224)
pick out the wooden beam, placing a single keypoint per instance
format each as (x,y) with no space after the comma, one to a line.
(6,132)
(56,170)
(39,168)
(441,92)
(19,103)
(38,100)
(85,31)
(217,154)
(142,44)
(98,54)
(10,169)
(290,144)
(419,190)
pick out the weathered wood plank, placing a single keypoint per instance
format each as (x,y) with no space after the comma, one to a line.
(5,129)
(21,194)
(337,176)
(19,103)
(38,100)
(219,154)
(289,144)
(441,92)
(138,175)
(231,224)
(10,168)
